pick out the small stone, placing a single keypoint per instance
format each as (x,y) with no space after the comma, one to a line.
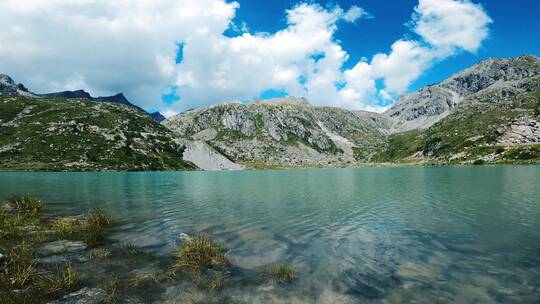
(83,296)
(185,237)
(62,246)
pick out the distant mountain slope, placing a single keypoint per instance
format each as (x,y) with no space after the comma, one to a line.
(9,87)
(157,116)
(489,113)
(78,134)
(488,107)
(495,78)
(496,120)
(118,98)
(284,131)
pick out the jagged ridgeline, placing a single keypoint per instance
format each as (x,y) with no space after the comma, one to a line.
(487,113)
(77,134)
(287,131)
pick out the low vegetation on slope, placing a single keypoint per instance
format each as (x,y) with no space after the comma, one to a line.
(286,131)
(478,131)
(82,135)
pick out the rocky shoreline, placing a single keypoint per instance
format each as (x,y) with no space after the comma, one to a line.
(71,260)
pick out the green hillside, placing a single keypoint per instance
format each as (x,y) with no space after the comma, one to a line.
(474,133)
(82,135)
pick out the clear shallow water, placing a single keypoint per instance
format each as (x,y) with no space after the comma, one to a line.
(369,235)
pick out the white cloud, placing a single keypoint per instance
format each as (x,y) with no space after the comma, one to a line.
(445,27)
(130,46)
(355,13)
(112,46)
(451,24)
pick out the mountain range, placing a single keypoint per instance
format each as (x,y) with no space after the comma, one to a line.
(9,87)
(488,113)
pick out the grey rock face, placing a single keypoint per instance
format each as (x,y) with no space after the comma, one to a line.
(207,158)
(282,131)
(9,87)
(524,130)
(61,246)
(490,80)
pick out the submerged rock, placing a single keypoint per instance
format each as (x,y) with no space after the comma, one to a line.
(145,273)
(61,246)
(184,237)
(83,296)
(367,285)
(53,259)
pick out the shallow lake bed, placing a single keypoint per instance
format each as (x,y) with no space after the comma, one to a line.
(367,235)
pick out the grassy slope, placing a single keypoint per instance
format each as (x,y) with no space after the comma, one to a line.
(75,135)
(471,131)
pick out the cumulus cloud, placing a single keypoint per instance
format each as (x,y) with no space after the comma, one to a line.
(130,46)
(451,24)
(105,46)
(445,28)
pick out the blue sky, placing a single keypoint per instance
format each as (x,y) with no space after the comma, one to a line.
(355,54)
(515,30)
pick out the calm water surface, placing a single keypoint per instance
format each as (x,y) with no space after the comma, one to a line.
(368,235)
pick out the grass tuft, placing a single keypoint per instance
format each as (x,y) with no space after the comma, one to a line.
(24,205)
(282,274)
(201,253)
(63,280)
(101,253)
(98,219)
(130,249)
(90,229)
(21,265)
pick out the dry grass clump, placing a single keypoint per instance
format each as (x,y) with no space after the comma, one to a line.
(90,228)
(22,279)
(17,215)
(200,253)
(96,219)
(61,281)
(100,253)
(282,274)
(20,266)
(24,205)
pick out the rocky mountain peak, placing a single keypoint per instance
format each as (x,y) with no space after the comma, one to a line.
(6,80)
(9,87)
(490,71)
(492,79)
(157,116)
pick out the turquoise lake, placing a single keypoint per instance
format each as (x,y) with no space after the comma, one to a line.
(365,235)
